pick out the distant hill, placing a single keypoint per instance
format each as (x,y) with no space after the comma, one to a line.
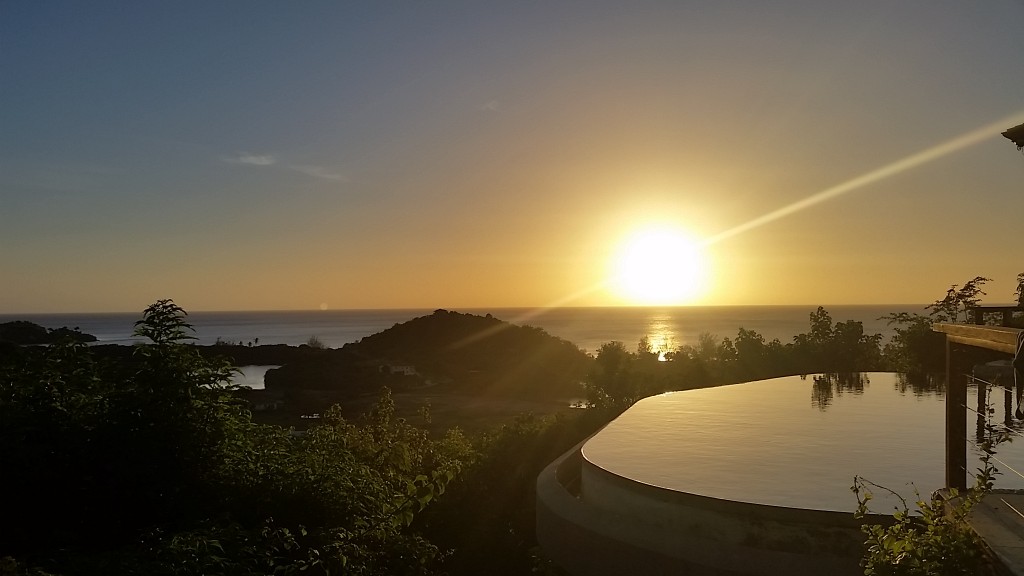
(458,352)
(23,332)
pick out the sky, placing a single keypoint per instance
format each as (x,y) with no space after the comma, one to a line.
(271,156)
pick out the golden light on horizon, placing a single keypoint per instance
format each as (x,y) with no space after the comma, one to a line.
(660,265)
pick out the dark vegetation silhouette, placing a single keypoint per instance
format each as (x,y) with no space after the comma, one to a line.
(149,463)
(22,332)
(153,466)
(482,354)
(1019,293)
(145,461)
(619,377)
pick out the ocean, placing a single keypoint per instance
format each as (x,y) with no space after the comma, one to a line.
(588,328)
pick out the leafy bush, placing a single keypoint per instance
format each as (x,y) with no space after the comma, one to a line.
(488,514)
(153,466)
(914,348)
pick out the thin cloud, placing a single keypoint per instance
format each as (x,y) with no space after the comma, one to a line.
(318,172)
(252,159)
(491,106)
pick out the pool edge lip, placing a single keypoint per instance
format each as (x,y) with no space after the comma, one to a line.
(774,510)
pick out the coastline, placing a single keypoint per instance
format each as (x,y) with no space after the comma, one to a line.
(586,327)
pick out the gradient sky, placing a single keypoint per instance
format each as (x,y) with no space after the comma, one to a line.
(268,155)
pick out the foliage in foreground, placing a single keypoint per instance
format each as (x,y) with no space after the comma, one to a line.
(154,467)
(488,514)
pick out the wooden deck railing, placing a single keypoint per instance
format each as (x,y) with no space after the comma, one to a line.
(978,313)
(998,338)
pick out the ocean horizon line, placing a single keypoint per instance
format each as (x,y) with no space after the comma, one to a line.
(589,327)
(485,308)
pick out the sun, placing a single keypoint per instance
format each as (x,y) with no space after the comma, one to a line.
(660,266)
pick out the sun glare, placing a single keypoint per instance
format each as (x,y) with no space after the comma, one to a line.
(660,266)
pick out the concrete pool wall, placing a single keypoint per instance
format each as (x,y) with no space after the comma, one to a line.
(593,522)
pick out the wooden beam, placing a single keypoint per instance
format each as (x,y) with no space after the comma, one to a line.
(1000,338)
(982,343)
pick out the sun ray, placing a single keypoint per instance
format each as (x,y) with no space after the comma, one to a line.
(934,153)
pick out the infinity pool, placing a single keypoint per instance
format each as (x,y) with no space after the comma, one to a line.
(793,442)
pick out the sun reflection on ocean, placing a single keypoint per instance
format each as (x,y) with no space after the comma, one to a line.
(661,336)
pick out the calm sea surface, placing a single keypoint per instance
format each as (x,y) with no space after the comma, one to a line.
(588,328)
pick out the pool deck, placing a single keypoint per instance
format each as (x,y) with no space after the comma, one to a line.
(999,521)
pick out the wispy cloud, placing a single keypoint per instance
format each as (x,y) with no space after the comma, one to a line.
(252,159)
(491,106)
(318,172)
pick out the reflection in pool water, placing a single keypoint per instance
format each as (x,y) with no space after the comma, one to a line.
(793,441)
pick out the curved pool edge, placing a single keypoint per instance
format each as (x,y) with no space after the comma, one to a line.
(593,522)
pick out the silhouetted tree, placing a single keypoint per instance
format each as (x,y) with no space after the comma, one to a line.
(611,382)
(958,300)
(914,348)
(1019,292)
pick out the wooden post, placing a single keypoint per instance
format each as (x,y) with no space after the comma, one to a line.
(1007,406)
(956,426)
(982,419)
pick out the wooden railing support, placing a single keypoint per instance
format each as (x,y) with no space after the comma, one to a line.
(978,313)
(956,426)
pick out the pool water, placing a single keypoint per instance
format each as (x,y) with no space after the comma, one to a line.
(794,441)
